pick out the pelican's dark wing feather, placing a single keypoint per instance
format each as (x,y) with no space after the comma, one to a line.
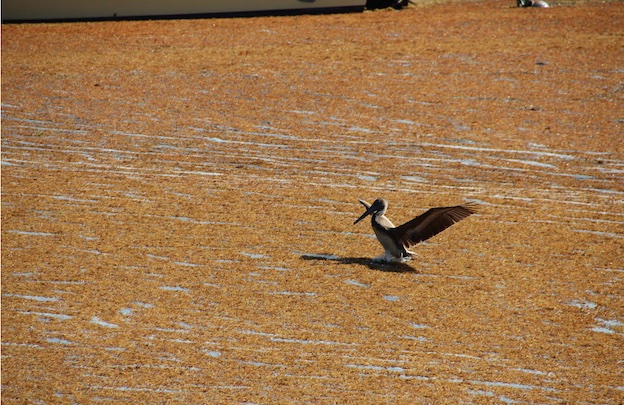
(431,223)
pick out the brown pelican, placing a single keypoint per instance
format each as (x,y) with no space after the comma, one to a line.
(396,240)
(532,3)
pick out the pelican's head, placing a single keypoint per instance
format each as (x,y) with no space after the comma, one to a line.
(380,205)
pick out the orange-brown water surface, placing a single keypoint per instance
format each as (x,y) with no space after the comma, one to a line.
(178,201)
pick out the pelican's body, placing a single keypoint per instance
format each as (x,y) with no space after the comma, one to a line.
(396,240)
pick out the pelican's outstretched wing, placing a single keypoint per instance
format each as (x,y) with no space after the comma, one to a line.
(431,223)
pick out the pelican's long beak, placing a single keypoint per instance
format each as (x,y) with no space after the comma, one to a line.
(368,212)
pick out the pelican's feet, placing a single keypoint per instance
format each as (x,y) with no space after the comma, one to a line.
(386,257)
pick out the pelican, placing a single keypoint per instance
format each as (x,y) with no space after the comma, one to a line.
(396,240)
